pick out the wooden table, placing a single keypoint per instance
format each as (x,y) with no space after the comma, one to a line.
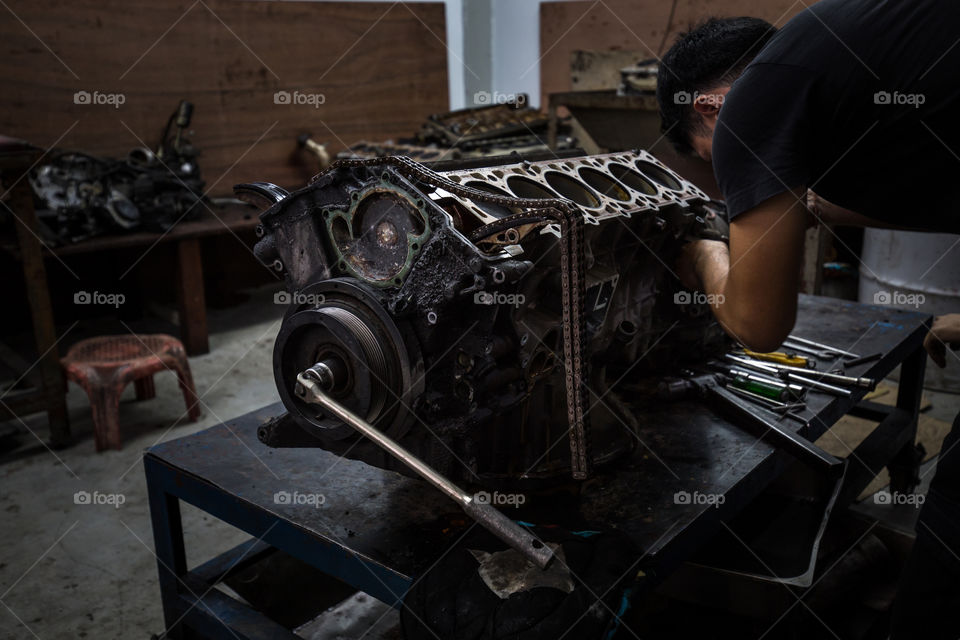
(212,221)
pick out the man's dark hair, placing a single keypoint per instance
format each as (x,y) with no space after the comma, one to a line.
(715,53)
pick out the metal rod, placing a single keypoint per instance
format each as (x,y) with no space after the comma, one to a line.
(820,353)
(821,386)
(498,524)
(756,365)
(825,347)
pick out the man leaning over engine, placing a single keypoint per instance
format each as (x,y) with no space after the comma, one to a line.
(853,107)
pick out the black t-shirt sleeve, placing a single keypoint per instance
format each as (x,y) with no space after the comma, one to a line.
(760,144)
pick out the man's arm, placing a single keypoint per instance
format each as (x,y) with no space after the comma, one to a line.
(759,276)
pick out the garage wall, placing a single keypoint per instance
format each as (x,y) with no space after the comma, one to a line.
(360,70)
(632,26)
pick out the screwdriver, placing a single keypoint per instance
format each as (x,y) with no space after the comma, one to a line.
(772,390)
(795,390)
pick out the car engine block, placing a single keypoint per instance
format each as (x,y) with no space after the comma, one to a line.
(484,316)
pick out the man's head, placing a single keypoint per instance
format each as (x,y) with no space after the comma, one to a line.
(696,73)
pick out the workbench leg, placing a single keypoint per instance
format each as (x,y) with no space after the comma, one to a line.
(41,312)
(905,466)
(171,555)
(190,297)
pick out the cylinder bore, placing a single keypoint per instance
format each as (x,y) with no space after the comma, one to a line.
(604,184)
(526,188)
(572,189)
(491,209)
(658,175)
(632,179)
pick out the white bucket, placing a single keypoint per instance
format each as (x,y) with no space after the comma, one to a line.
(915,271)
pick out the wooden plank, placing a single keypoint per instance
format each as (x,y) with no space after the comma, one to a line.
(381,68)
(629,25)
(190,297)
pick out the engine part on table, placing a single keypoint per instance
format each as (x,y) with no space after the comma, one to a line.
(480,316)
(81,195)
(455,128)
(640,79)
(495,130)
(522,145)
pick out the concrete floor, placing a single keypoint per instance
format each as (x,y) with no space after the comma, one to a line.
(71,570)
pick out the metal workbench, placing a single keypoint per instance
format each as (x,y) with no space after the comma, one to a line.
(378,530)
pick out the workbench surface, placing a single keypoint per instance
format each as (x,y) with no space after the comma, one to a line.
(403,525)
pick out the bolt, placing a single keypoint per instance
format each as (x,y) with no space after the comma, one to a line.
(277,265)
(300,390)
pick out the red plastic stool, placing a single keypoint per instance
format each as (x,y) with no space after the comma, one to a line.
(105,365)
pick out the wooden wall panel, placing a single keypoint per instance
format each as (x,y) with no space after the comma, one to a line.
(631,25)
(381,68)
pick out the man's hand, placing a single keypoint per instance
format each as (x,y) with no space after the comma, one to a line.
(945,330)
(823,211)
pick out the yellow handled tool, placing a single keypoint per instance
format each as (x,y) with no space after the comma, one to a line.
(790,360)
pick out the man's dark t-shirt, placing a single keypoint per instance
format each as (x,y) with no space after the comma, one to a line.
(858,100)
